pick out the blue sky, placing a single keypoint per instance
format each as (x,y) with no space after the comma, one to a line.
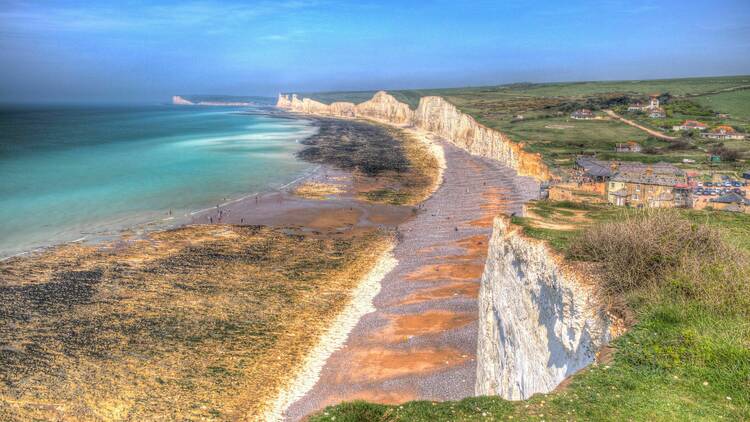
(148,50)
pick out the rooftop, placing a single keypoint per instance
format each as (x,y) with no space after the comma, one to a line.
(647,179)
(730,198)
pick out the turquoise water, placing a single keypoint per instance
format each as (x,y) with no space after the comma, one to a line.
(73,172)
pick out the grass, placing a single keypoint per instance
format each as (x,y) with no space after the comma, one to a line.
(559,146)
(736,103)
(686,357)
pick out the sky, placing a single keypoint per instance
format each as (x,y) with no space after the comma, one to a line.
(103,50)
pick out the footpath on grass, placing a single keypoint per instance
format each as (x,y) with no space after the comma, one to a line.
(651,132)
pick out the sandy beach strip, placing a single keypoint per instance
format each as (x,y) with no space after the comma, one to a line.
(334,337)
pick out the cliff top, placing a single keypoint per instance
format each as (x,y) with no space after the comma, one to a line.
(539,115)
(685,357)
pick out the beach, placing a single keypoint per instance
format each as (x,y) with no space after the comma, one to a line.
(199,321)
(419,341)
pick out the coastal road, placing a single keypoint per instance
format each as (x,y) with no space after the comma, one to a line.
(420,343)
(651,132)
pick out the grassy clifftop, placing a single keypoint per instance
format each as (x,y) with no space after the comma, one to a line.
(686,355)
(545,126)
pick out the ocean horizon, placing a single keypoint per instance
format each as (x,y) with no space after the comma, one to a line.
(80,171)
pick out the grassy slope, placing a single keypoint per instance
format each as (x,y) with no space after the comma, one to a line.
(735,103)
(681,361)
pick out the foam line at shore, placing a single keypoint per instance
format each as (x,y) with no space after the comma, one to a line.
(334,338)
(80,239)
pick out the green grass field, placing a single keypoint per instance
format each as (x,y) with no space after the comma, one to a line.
(549,104)
(559,139)
(736,103)
(687,357)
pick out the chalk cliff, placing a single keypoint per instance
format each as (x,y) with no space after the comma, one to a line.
(177,100)
(436,115)
(538,321)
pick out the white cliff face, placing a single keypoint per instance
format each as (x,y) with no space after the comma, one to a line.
(437,115)
(434,115)
(384,107)
(538,324)
(177,100)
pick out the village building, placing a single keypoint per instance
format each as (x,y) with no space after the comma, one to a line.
(723,133)
(653,108)
(630,146)
(592,170)
(582,114)
(653,104)
(657,113)
(690,125)
(647,189)
(636,106)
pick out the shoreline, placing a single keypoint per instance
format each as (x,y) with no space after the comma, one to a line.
(334,337)
(359,305)
(281,216)
(114,230)
(420,341)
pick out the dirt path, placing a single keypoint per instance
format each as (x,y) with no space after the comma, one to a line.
(420,343)
(651,132)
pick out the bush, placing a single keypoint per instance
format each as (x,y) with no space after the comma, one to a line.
(658,250)
(725,153)
(680,145)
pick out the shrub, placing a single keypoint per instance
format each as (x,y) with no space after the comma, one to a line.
(658,251)
(680,144)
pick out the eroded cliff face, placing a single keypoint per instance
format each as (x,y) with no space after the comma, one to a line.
(443,118)
(538,322)
(436,115)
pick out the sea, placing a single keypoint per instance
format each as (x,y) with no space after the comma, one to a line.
(76,173)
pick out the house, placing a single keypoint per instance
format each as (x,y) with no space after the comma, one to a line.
(722,115)
(582,114)
(630,146)
(654,102)
(652,107)
(593,170)
(690,125)
(657,113)
(647,189)
(657,168)
(733,202)
(723,132)
(636,106)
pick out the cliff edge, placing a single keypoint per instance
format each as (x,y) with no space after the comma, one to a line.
(436,115)
(539,322)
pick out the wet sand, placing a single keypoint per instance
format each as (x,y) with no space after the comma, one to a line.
(420,343)
(342,213)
